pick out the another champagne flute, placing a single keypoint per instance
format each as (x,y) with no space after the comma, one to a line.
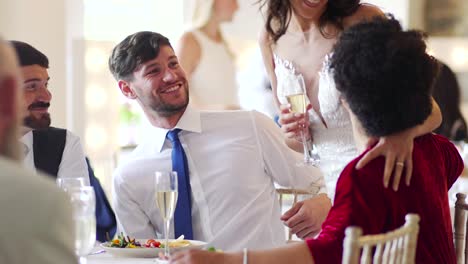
(67,183)
(166,200)
(83,201)
(296,95)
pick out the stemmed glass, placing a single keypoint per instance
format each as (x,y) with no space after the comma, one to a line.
(83,202)
(66,183)
(295,93)
(165,185)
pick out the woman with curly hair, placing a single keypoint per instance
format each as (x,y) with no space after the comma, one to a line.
(298,37)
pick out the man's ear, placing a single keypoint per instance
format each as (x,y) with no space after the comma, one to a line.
(126,89)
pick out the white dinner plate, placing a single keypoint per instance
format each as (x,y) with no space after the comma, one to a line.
(147,252)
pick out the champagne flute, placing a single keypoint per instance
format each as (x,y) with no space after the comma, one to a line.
(66,183)
(83,200)
(296,96)
(166,200)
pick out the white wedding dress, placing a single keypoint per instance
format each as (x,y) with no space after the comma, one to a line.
(334,142)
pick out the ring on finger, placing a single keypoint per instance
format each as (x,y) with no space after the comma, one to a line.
(400,163)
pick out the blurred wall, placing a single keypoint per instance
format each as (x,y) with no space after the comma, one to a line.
(43,25)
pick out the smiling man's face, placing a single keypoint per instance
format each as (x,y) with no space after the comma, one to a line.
(160,85)
(37,96)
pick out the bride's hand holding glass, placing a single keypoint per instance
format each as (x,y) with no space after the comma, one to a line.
(292,123)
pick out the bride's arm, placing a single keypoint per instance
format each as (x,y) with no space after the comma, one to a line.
(398,148)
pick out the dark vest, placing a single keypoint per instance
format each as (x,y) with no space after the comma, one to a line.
(48,146)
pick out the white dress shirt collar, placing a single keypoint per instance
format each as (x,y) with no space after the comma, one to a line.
(189,121)
(27,140)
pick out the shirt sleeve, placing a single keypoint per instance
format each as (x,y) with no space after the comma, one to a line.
(131,219)
(73,160)
(280,162)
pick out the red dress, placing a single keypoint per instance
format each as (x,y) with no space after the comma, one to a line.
(362,200)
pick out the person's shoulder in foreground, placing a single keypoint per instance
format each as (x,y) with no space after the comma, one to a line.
(37,222)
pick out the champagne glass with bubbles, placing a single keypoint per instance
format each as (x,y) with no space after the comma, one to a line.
(166,200)
(294,91)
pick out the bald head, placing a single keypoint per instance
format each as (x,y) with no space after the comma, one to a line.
(9,102)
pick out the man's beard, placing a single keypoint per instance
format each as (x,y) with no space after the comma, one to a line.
(41,122)
(37,123)
(164,109)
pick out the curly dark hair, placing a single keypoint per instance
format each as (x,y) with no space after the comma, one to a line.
(28,55)
(385,75)
(279,15)
(133,51)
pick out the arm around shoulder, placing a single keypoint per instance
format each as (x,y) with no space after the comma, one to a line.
(432,122)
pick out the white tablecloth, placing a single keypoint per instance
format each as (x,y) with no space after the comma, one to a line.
(107,258)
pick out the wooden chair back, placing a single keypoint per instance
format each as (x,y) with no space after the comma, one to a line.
(459,229)
(397,246)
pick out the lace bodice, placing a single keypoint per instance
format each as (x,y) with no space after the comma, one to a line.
(334,141)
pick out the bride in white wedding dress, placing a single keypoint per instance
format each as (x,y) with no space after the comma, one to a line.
(331,126)
(301,34)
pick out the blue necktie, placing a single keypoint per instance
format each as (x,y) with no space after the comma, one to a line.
(183,211)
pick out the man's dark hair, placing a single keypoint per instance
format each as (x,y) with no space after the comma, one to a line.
(133,51)
(385,75)
(28,55)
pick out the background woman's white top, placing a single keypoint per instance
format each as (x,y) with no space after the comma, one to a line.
(213,82)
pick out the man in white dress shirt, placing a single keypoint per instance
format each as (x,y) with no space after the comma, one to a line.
(233,157)
(36,222)
(61,153)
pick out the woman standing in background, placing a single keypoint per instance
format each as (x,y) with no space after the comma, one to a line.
(205,56)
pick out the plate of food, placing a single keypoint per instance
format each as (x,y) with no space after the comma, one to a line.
(124,246)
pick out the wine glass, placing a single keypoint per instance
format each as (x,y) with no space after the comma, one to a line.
(83,200)
(296,95)
(66,183)
(165,185)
